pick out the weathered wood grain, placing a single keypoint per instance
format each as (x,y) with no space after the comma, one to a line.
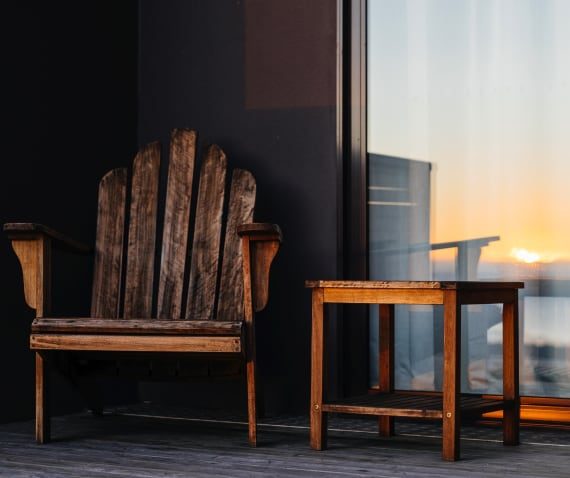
(34,254)
(176,223)
(148,445)
(240,211)
(511,393)
(84,325)
(42,399)
(262,253)
(386,361)
(399,404)
(451,376)
(136,343)
(24,230)
(207,236)
(392,284)
(106,290)
(250,345)
(255,229)
(383,296)
(142,233)
(318,417)
(260,243)
(126,291)
(449,406)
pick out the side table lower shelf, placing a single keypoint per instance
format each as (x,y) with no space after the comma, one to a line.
(411,405)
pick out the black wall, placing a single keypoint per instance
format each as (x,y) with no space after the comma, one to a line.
(70,114)
(256,77)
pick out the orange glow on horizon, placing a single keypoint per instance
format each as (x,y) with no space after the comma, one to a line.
(488,110)
(496,253)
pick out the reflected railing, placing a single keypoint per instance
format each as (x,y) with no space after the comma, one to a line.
(467,255)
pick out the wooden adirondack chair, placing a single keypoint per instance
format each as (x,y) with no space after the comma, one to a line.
(203,306)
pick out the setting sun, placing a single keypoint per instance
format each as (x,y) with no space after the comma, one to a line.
(523,255)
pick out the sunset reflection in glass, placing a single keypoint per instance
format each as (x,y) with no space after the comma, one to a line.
(468,101)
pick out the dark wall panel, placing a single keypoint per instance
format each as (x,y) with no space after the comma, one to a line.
(258,78)
(70,111)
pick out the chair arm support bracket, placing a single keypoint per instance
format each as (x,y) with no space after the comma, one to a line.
(260,244)
(33,243)
(34,254)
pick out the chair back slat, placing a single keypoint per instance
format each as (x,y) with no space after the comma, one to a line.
(109,244)
(240,211)
(207,232)
(142,233)
(176,223)
(212,280)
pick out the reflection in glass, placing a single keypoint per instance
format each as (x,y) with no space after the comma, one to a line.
(469,165)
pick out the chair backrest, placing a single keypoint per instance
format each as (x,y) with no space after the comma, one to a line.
(200,281)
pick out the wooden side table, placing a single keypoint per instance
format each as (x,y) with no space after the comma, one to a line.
(449,405)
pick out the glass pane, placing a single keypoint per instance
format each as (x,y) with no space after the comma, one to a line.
(469,166)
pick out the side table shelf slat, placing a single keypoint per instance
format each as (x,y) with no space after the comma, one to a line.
(408,405)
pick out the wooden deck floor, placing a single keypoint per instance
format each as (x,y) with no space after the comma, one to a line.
(123,445)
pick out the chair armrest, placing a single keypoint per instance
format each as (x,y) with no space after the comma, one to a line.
(30,230)
(260,243)
(260,231)
(32,243)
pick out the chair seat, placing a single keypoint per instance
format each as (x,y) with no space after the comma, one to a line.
(87,325)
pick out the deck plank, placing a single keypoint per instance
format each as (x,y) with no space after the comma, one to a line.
(120,445)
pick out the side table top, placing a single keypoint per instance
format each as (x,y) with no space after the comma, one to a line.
(388,284)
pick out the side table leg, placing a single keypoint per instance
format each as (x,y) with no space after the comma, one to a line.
(318,433)
(451,375)
(386,363)
(511,413)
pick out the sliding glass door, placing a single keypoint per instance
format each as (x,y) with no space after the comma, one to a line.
(468,141)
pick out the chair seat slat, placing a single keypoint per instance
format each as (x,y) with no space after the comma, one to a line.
(87,325)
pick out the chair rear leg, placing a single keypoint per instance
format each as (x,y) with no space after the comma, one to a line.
(42,399)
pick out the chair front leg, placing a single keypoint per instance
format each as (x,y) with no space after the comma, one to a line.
(251,376)
(42,398)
